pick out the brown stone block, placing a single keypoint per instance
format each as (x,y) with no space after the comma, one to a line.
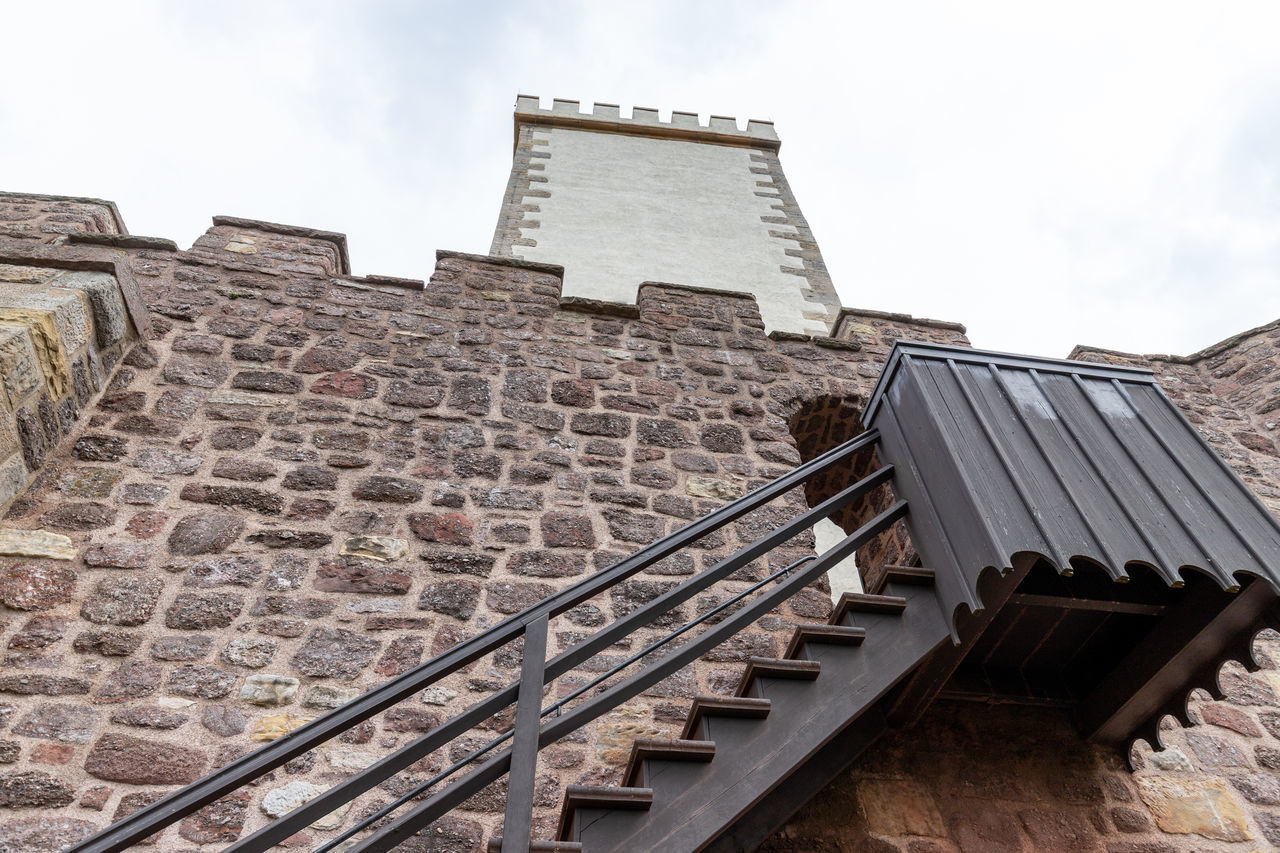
(1196,806)
(122,758)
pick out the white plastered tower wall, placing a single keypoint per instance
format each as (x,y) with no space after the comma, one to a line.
(618,202)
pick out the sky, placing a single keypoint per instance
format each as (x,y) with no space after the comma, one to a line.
(1048,174)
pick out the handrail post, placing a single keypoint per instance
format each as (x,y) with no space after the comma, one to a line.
(517,828)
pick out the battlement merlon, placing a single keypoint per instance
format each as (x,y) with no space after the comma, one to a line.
(607,118)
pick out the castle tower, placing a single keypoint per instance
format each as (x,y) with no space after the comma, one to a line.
(620,201)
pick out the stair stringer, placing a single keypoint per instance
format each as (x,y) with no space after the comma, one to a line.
(764,769)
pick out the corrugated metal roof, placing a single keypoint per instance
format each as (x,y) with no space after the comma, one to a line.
(1000,454)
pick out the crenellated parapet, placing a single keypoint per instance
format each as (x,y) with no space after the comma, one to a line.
(644,121)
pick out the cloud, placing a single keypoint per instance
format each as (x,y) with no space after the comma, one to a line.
(1100,173)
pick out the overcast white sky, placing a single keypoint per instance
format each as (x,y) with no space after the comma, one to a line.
(1101,173)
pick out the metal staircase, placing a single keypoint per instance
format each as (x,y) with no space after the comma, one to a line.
(744,762)
(1092,554)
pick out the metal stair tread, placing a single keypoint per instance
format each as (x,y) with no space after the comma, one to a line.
(844,635)
(861,602)
(665,749)
(913,575)
(757,667)
(600,797)
(723,706)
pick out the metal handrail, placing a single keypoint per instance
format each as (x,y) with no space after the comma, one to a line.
(212,787)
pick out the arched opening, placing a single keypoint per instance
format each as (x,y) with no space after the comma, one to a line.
(817,426)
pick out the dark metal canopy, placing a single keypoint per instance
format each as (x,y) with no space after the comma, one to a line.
(1077,463)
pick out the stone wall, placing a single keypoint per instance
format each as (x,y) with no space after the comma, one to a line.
(970,778)
(61,332)
(302,483)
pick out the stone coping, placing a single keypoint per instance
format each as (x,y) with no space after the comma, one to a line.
(503,261)
(894,317)
(97,258)
(337,239)
(1197,356)
(107,203)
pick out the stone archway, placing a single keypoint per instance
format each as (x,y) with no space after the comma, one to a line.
(817,425)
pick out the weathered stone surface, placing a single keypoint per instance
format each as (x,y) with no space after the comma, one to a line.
(344,383)
(223,720)
(148,717)
(711,487)
(310,478)
(275,726)
(267,503)
(615,426)
(281,801)
(119,555)
(355,574)
(269,690)
(457,598)
(44,685)
(192,611)
(100,448)
(547,564)
(385,489)
(234,438)
(223,571)
(89,482)
(447,835)
(35,543)
(127,600)
(627,526)
(1201,806)
(122,758)
(200,682)
(251,652)
(39,632)
(217,823)
(36,586)
(182,647)
(267,381)
(44,833)
(470,394)
(243,470)
(59,722)
(131,680)
(375,547)
(324,696)
(79,516)
(205,533)
(197,371)
(458,562)
(156,460)
(403,653)
(304,539)
(567,530)
(511,597)
(335,653)
(449,528)
(1222,714)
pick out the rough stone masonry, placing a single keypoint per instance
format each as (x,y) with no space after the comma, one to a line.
(292,484)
